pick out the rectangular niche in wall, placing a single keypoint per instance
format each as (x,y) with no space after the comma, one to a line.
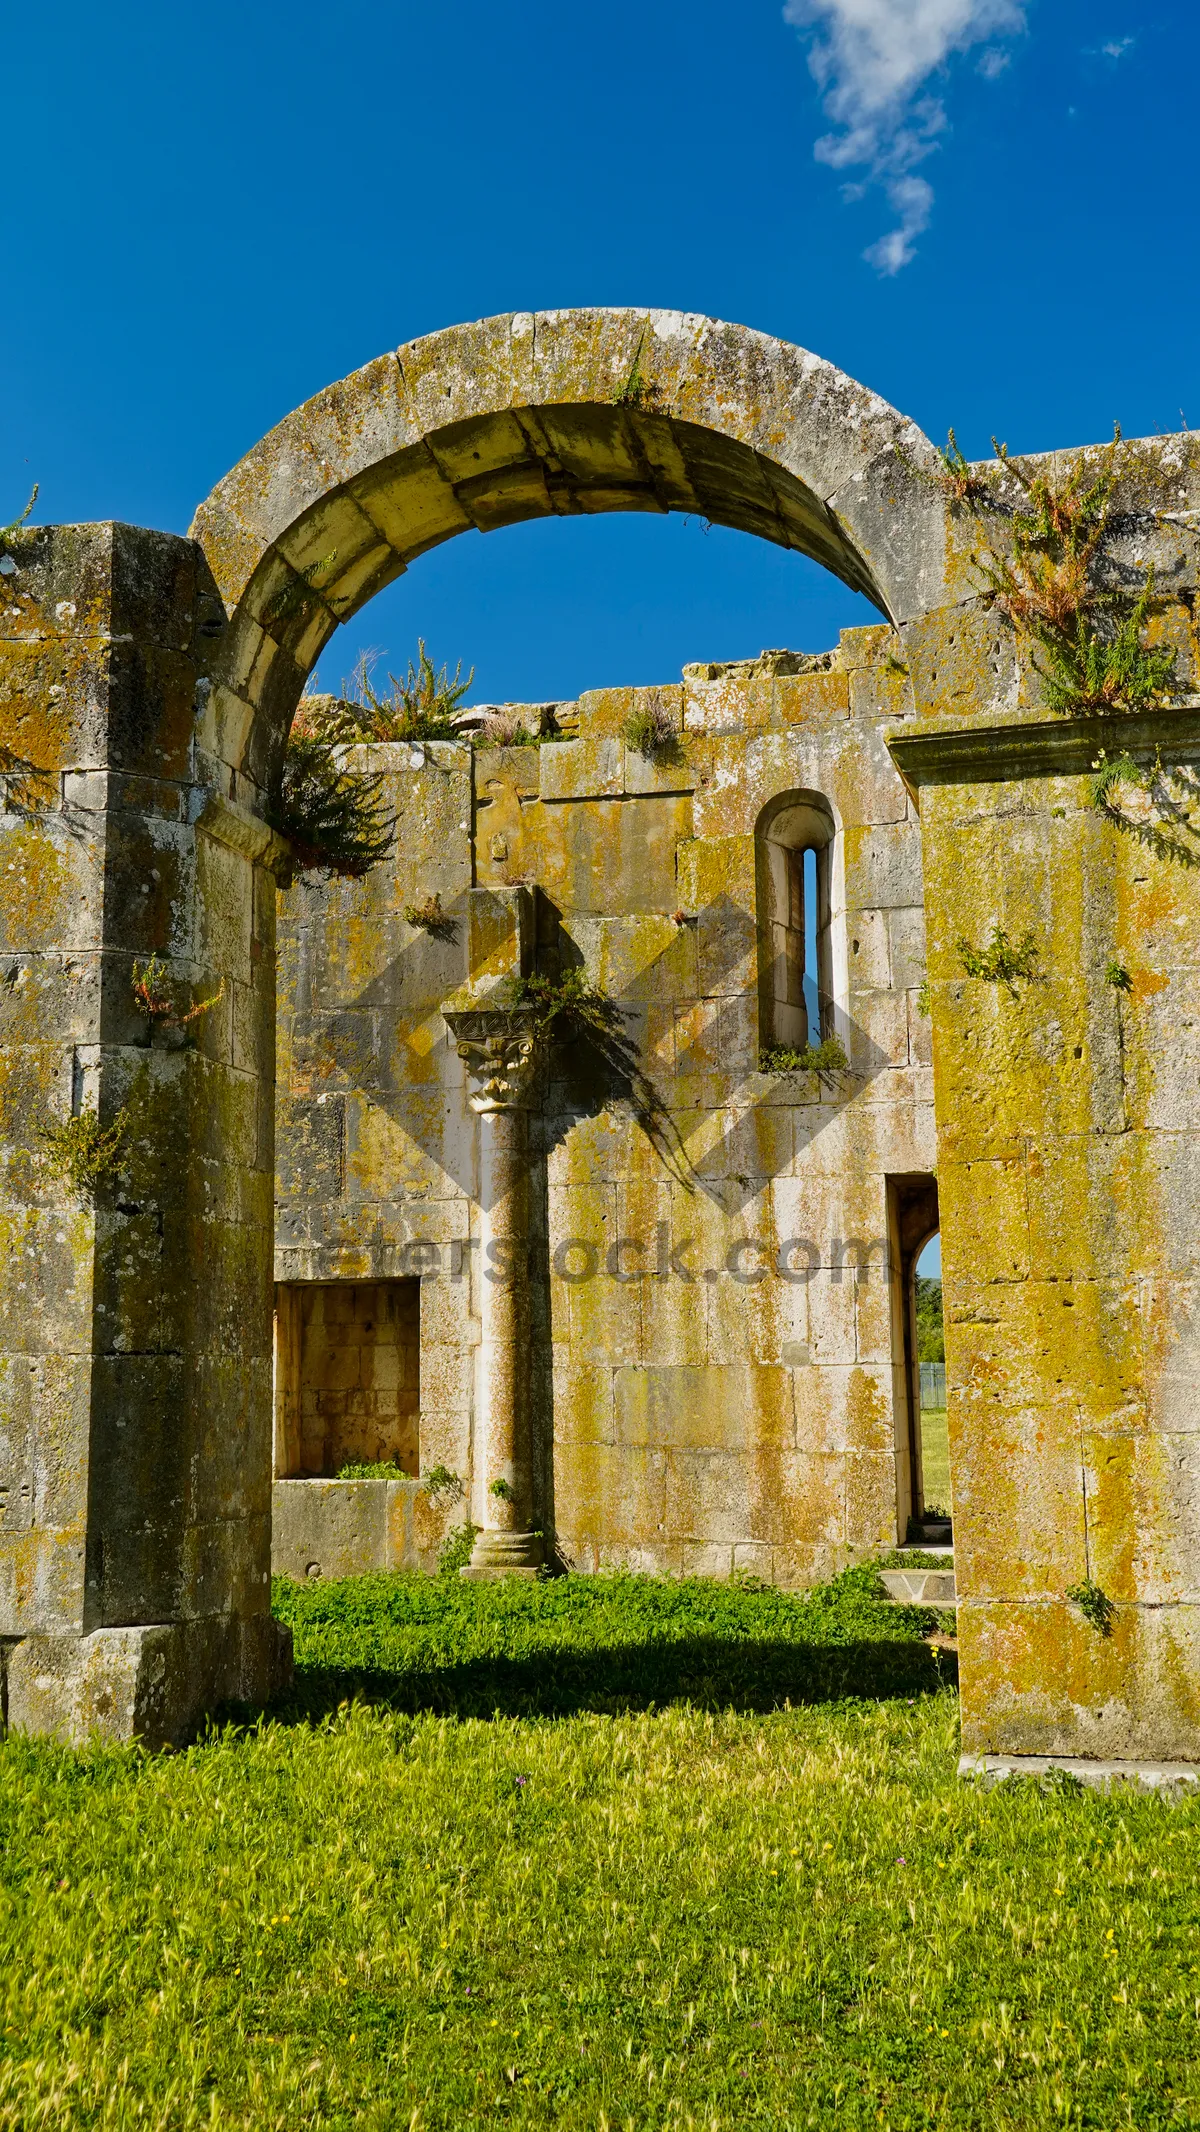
(347,1375)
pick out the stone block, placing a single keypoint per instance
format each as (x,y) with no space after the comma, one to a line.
(717,873)
(883,865)
(1039,1679)
(919,1587)
(870,1497)
(326,1529)
(151,1684)
(583,1401)
(868,950)
(609,1496)
(876,1030)
(1143,1500)
(811,699)
(882,690)
(906,942)
(961,660)
(674,1326)
(587,768)
(707,1497)
(615,857)
(677,767)
(1018,1505)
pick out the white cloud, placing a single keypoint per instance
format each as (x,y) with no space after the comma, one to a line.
(1116,47)
(872,59)
(912,200)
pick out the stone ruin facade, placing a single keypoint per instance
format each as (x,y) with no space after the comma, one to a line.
(716,1360)
(698,1352)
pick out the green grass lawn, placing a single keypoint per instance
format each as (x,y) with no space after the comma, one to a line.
(709,1866)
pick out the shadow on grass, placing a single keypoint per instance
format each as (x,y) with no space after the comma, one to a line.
(711,1673)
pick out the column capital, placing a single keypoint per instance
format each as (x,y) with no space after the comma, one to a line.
(503,1048)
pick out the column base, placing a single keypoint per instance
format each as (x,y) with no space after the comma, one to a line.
(504,1554)
(154,1683)
(1097,1775)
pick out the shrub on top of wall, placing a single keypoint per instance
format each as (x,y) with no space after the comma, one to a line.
(334,818)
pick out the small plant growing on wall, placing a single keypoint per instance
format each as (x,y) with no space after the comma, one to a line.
(1118,977)
(1090,642)
(501,1490)
(368,1469)
(151,994)
(1108,773)
(1165,824)
(568,1008)
(829,1056)
(1087,671)
(1045,587)
(1002,961)
(334,818)
(85,1154)
(430,917)
(958,480)
(650,730)
(569,998)
(638,390)
(440,1481)
(456,1550)
(1093,657)
(505,728)
(10,532)
(1094,1605)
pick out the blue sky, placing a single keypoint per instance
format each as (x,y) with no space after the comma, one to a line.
(212,212)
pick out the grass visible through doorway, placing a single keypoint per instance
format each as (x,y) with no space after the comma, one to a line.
(935,1460)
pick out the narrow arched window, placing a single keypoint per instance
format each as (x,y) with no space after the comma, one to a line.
(795,839)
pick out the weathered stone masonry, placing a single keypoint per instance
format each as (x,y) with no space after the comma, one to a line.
(146,688)
(722,1379)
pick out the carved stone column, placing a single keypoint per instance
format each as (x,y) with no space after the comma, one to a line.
(503,1053)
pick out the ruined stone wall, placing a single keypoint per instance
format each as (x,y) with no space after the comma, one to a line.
(702,1405)
(689,1413)
(1068,1113)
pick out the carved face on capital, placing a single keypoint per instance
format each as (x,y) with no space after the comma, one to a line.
(503,1068)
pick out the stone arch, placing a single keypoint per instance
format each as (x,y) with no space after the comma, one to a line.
(543,415)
